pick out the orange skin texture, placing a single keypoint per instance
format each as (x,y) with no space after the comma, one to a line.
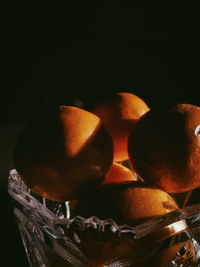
(128,203)
(118,174)
(119,114)
(63,152)
(164,148)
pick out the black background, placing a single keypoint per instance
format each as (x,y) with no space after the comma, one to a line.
(89,49)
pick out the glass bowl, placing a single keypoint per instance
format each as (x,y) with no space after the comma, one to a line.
(52,237)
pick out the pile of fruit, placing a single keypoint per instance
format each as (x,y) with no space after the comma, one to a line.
(122,160)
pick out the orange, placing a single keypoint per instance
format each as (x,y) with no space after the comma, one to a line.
(62,152)
(128,203)
(119,113)
(164,148)
(118,174)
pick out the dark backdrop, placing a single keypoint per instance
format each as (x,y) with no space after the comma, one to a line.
(90,49)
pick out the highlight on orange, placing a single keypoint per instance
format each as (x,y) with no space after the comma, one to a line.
(62,152)
(119,113)
(118,174)
(126,203)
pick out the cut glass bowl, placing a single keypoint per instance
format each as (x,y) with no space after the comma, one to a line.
(53,238)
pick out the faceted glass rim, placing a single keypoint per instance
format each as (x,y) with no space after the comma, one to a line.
(178,220)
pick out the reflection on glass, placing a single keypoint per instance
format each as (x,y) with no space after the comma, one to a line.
(52,237)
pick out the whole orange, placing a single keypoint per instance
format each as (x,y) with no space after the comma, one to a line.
(119,113)
(62,152)
(164,147)
(118,174)
(126,203)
